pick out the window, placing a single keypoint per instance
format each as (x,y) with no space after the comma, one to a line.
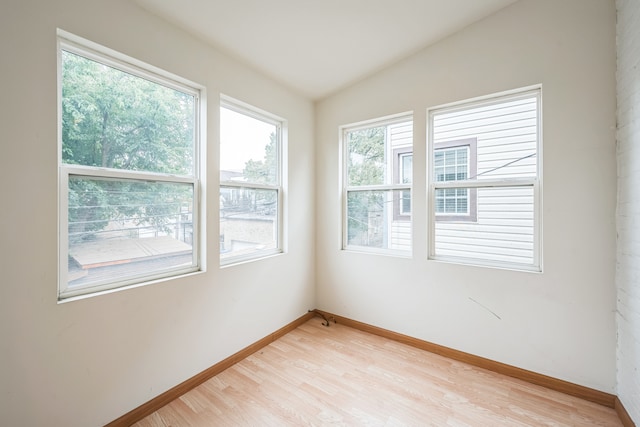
(484,185)
(377,176)
(455,161)
(129,171)
(250,183)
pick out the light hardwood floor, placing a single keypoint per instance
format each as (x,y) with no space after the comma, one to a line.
(337,375)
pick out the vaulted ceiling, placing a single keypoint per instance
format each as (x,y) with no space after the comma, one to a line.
(317,47)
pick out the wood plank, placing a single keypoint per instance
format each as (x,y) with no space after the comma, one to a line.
(344,375)
(176,392)
(582,392)
(623,414)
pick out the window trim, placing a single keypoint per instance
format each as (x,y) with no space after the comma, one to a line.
(395,187)
(90,50)
(534,182)
(256,113)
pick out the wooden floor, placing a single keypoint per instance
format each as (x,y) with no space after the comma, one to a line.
(326,376)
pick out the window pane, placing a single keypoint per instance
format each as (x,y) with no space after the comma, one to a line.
(503,232)
(376,156)
(370,220)
(122,229)
(113,119)
(452,201)
(407,168)
(366,161)
(451,164)
(506,136)
(462,156)
(248,221)
(406,203)
(248,149)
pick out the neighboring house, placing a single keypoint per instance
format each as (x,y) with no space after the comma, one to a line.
(487,142)
(492,141)
(400,161)
(247,222)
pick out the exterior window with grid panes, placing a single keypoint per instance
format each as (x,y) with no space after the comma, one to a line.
(452,164)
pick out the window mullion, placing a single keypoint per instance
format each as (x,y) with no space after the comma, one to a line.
(89,171)
(390,187)
(485,183)
(249,185)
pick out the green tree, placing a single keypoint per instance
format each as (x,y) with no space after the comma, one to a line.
(264,171)
(366,151)
(113,119)
(365,166)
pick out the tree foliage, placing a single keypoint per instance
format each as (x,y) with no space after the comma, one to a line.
(264,171)
(113,119)
(365,166)
(366,151)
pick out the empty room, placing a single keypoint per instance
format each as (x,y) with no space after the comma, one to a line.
(286,212)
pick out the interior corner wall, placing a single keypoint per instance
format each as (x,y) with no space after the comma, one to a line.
(87,362)
(628,215)
(560,322)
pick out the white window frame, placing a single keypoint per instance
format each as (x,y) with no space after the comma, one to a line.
(396,185)
(281,130)
(93,51)
(534,182)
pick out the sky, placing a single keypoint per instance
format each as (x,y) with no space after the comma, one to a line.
(242,138)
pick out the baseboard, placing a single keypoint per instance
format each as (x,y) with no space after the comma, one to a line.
(566,387)
(623,414)
(161,400)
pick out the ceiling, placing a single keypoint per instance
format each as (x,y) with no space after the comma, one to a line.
(317,47)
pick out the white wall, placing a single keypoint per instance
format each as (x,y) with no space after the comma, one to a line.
(560,322)
(85,363)
(628,224)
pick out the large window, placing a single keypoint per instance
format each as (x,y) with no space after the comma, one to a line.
(129,166)
(250,183)
(378,167)
(484,184)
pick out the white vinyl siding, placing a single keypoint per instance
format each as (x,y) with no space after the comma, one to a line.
(506,228)
(400,137)
(401,134)
(401,235)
